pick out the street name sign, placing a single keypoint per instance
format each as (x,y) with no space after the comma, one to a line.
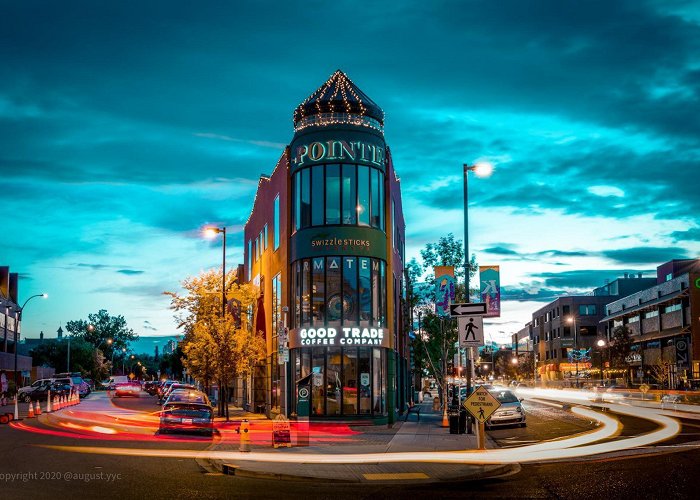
(468,309)
(471,331)
(481,404)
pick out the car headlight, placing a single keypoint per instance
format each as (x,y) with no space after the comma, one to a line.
(519,410)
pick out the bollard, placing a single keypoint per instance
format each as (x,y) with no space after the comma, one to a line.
(48,402)
(244,431)
(16,409)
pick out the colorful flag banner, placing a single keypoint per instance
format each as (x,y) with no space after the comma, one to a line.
(490,280)
(444,289)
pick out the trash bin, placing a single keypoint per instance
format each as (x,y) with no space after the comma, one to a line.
(454,422)
(462,421)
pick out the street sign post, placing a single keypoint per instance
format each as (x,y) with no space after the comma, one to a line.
(467,309)
(471,331)
(481,404)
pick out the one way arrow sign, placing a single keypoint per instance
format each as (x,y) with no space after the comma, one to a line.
(467,309)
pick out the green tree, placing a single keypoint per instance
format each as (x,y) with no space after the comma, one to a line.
(108,333)
(84,358)
(620,347)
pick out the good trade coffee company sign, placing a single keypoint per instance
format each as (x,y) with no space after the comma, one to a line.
(340,336)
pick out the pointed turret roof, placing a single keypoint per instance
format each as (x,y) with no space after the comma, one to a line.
(339,95)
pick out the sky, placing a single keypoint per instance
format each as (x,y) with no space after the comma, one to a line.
(127,126)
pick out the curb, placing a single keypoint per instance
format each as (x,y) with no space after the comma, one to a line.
(238,471)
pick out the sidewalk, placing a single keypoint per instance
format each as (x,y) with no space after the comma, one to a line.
(411,436)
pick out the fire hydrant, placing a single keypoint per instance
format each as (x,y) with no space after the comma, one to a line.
(244,431)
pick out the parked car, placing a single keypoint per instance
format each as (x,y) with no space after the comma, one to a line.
(509,413)
(172,387)
(127,389)
(77,381)
(41,391)
(187,417)
(187,396)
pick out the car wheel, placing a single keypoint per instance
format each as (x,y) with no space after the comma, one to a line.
(26,398)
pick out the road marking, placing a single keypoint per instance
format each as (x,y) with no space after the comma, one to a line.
(395,476)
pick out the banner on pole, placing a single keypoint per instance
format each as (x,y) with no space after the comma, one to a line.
(490,280)
(444,289)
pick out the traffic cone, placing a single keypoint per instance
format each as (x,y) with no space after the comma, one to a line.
(48,402)
(56,403)
(31,410)
(37,412)
(60,402)
(16,408)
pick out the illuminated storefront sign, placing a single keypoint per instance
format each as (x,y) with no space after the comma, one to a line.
(356,241)
(338,150)
(340,336)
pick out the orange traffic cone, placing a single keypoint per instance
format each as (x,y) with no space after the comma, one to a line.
(31,410)
(60,402)
(56,403)
(37,412)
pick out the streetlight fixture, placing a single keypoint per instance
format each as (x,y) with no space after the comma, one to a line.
(572,319)
(211,232)
(601,344)
(18,320)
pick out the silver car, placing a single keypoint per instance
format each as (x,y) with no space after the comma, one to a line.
(509,413)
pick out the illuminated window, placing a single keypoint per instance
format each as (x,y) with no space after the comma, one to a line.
(276,224)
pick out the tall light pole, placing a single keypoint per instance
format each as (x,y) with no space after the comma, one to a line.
(18,320)
(572,319)
(480,169)
(210,232)
(601,345)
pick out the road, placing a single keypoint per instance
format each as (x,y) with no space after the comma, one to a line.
(668,471)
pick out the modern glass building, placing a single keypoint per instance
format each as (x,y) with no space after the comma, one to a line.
(325,242)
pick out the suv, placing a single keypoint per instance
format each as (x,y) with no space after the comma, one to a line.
(25,393)
(77,381)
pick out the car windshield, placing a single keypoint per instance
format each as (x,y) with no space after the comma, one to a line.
(188,396)
(505,396)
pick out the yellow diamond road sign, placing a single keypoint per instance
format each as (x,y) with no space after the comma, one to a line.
(481,404)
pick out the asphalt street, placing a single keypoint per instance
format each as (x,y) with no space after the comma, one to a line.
(31,471)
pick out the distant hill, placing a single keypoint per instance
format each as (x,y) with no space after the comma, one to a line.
(147,345)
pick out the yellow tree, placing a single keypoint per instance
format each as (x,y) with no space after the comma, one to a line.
(215,346)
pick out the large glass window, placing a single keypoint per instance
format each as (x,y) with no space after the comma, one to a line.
(338,194)
(349,188)
(305,293)
(334,387)
(276,222)
(319,297)
(365,385)
(318,400)
(346,380)
(350,381)
(363,206)
(318,200)
(365,289)
(305,198)
(333,194)
(333,288)
(350,302)
(378,381)
(375,174)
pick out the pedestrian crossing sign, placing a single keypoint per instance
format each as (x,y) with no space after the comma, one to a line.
(481,404)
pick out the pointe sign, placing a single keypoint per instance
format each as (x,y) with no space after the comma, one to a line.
(340,336)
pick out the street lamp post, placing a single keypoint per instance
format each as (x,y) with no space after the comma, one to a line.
(481,169)
(601,345)
(211,232)
(572,319)
(18,320)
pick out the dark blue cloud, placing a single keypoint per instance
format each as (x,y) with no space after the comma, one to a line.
(645,255)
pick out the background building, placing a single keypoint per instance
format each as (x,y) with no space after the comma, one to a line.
(11,328)
(664,322)
(325,243)
(572,323)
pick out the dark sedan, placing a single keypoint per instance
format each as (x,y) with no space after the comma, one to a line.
(187,417)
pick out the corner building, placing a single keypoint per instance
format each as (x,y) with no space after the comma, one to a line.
(325,242)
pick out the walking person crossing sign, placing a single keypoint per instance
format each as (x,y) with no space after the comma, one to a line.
(481,404)
(471,331)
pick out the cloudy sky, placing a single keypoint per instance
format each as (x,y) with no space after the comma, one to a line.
(125,126)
